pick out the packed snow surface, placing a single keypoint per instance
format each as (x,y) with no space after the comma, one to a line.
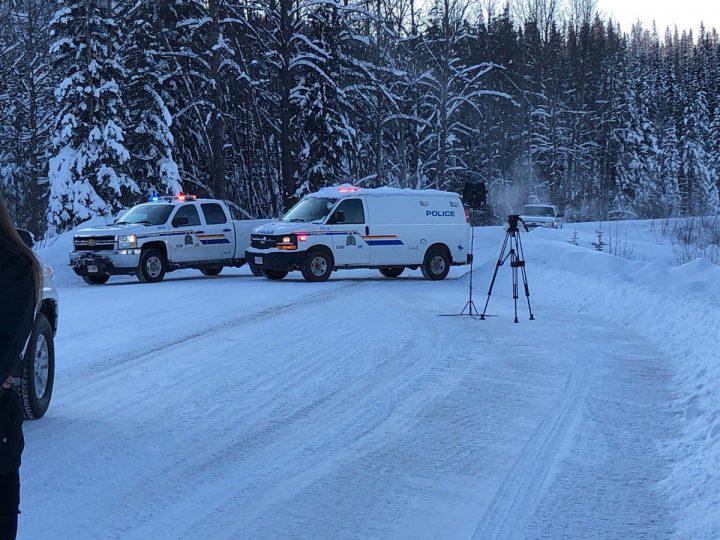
(236,407)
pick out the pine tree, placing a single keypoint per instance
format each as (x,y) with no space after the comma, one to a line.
(88,170)
(149,62)
(700,189)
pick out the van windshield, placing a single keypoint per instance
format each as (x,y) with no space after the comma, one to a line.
(530,210)
(310,210)
(147,214)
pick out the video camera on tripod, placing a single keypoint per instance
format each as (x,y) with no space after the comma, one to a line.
(516,256)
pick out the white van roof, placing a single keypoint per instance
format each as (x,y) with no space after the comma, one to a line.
(347,190)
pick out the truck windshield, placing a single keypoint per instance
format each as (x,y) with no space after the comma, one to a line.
(548,211)
(147,214)
(310,209)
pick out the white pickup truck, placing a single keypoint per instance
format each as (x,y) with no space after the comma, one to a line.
(165,234)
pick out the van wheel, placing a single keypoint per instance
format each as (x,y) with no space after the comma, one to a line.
(436,265)
(96,279)
(211,271)
(38,370)
(274,275)
(392,271)
(318,266)
(152,267)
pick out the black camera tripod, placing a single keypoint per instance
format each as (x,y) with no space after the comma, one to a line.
(517,262)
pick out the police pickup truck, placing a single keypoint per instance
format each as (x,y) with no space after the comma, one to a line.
(348,227)
(165,234)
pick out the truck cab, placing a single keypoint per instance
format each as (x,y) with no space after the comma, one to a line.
(348,227)
(160,236)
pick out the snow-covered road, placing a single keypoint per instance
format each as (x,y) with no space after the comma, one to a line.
(241,408)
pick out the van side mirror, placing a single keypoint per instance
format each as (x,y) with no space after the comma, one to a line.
(561,215)
(339,217)
(27,238)
(180,221)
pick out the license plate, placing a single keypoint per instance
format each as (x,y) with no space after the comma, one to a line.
(258,260)
(92,269)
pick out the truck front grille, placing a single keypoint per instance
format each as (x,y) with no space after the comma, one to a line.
(94,243)
(263,241)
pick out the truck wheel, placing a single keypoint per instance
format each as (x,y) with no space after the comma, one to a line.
(436,265)
(38,370)
(152,266)
(211,271)
(392,271)
(255,271)
(318,266)
(96,279)
(274,275)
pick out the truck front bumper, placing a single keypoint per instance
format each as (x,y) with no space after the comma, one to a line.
(275,260)
(111,263)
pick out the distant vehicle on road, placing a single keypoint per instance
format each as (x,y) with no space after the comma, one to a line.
(165,234)
(542,215)
(38,368)
(622,215)
(349,227)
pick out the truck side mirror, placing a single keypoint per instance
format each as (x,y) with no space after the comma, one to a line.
(339,217)
(180,221)
(27,238)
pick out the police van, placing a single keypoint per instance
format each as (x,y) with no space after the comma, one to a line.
(349,227)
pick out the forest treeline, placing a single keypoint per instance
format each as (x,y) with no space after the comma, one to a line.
(103,102)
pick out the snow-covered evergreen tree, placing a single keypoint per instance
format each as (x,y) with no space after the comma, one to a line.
(88,169)
(700,191)
(150,65)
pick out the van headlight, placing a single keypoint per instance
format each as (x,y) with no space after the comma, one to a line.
(127,242)
(287,242)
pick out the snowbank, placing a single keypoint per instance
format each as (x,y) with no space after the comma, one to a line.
(677,308)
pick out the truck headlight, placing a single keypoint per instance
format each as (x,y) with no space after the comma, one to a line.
(127,242)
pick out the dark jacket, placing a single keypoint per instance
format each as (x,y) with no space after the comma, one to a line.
(17,310)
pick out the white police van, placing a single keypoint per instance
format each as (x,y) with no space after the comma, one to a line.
(348,227)
(165,234)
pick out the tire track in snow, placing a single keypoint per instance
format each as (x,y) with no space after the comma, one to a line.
(519,494)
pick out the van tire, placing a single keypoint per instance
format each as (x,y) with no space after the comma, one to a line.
(392,271)
(436,265)
(318,266)
(211,272)
(274,275)
(96,279)
(38,368)
(148,269)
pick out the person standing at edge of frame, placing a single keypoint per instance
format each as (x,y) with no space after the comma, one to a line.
(20,282)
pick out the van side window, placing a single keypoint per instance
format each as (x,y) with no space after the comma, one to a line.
(190,213)
(354,212)
(214,214)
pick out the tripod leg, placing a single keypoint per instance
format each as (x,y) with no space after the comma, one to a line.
(513,264)
(524,278)
(495,273)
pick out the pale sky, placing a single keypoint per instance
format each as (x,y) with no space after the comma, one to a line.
(685,14)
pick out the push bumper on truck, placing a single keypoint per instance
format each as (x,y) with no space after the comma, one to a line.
(115,263)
